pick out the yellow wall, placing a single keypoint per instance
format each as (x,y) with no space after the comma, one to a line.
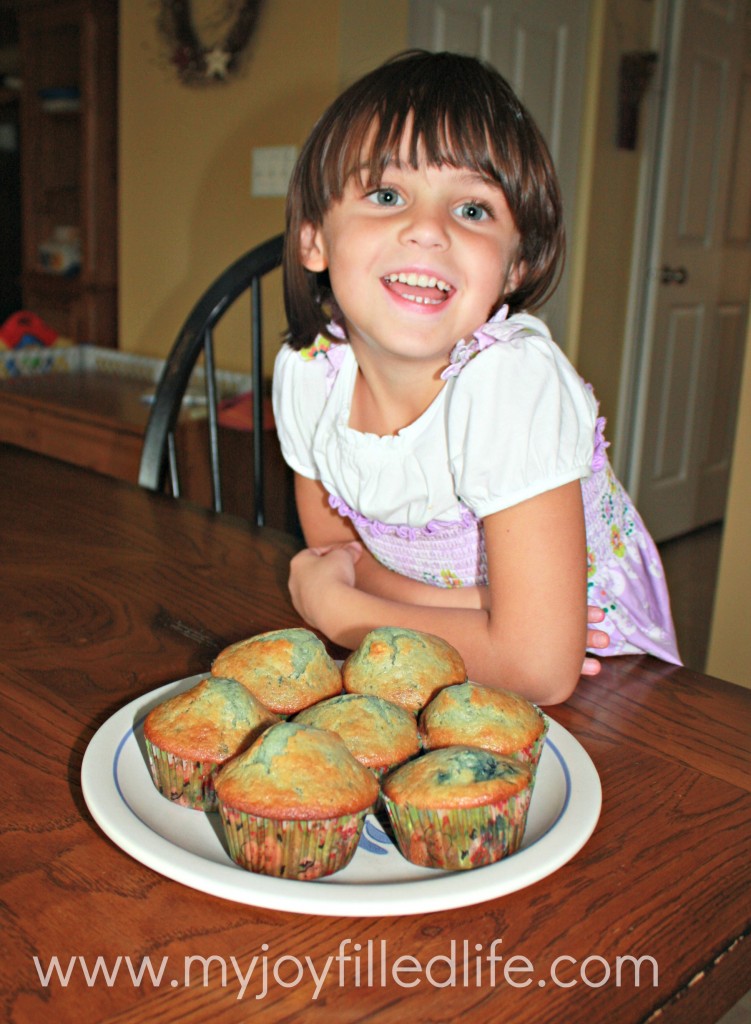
(730,641)
(610,206)
(185,154)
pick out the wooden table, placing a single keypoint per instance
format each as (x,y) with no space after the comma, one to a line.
(92,419)
(97,419)
(108,592)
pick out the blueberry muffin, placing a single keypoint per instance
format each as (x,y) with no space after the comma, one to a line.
(293,805)
(458,807)
(189,736)
(478,716)
(404,666)
(381,735)
(287,669)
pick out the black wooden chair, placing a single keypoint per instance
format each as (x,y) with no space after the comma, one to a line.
(196,338)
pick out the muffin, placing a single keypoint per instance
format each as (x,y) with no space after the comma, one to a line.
(293,805)
(458,807)
(381,735)
(478,716)
(402,665)
(189,736)
(287,669)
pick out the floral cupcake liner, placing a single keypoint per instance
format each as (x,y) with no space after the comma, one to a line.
(459,838)
(287,848)
(184,782)
(530,755)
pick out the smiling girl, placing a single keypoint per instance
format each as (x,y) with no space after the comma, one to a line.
(450,470)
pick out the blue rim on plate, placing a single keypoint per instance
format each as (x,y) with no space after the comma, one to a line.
(188,847)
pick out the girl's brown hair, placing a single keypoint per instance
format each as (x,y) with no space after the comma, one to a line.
(464,114)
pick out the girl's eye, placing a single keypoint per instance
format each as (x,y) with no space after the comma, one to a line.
(385,197)
(473,211)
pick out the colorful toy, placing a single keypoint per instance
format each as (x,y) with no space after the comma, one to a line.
(24,328)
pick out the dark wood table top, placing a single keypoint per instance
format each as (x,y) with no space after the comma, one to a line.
(108,592)
(93,395)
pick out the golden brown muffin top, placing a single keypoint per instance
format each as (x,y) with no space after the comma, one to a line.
(376,731)
(211,721)
(483,717)
(286,669)
(297,772)
(456,777)
(404,666)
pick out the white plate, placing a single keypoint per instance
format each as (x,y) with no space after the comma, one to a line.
(188,846)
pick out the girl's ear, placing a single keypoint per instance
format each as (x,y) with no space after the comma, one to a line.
(516,274)
(312,248)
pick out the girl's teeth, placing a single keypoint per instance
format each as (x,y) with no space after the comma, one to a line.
(419,281)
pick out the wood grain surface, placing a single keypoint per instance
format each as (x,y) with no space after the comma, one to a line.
(108,592)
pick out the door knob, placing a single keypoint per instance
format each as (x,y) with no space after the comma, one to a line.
(673,275)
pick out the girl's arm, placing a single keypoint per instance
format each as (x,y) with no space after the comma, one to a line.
(532,635)
(323,527)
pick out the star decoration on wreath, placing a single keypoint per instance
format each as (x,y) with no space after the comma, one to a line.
(217,63)
(199,64)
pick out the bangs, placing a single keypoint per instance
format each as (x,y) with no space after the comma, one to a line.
(452,116)
(436,141)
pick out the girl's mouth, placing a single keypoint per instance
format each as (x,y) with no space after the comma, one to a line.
(423,289)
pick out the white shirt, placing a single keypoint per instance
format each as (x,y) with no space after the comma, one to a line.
(515,422)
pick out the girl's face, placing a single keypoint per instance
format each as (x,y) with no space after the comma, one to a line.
(419,261)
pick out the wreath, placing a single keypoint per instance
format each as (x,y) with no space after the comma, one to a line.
(196,63)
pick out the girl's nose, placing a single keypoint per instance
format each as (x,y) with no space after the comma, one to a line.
(425,226)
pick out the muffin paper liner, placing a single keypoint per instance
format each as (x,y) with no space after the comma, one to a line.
(289,848)
(189,783)
(531,755)
(462,837)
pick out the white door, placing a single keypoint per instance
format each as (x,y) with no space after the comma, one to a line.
(699,272)
(540,46)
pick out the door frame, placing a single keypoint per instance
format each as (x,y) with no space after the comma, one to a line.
(637,341)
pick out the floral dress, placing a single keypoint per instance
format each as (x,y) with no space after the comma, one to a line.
(513,420)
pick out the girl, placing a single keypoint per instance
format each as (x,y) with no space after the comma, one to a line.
(449,464)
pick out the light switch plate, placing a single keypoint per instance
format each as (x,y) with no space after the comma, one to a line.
(271,167)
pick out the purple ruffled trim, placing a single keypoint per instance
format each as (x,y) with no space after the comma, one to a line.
(378,529)
(599,458)
(336,330)
(496,329)
(334,359)
(332,351)
(335,355)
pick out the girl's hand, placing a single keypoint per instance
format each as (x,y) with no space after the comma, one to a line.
(595,638)
(316,573)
